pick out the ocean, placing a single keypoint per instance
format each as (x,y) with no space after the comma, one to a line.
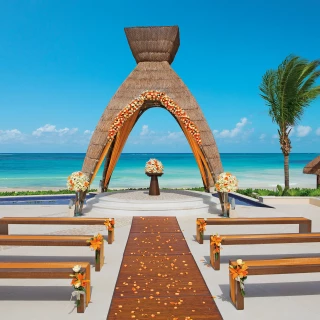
(50,170)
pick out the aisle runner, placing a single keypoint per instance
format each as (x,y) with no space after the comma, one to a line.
(159,278)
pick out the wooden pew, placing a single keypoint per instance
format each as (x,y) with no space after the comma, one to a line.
(6,221)
(46,270)
(304,224)
(264,267)
(53,241)
(243,239)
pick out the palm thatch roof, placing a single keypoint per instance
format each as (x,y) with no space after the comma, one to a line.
(154,49)
(313,167)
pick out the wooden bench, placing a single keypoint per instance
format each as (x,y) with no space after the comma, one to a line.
(47,270)
(53,241)
(243,239)
(264,267)
(304,224)
(6,221)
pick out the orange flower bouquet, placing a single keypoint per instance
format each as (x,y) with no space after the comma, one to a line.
(239,273)
(95,244)
(202,226)
(216,243)
(109,223)
(78,282)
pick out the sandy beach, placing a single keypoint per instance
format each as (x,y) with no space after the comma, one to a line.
(279,296)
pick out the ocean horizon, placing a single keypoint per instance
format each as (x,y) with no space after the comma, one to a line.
(50,170)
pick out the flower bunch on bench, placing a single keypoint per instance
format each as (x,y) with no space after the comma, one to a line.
(239,273)
(109,223)
(202,226)
(216,243)
(78,282)
(95,244)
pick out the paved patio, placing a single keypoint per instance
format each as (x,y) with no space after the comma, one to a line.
(276,296)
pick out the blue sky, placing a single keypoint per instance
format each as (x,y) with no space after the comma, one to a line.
(62,61)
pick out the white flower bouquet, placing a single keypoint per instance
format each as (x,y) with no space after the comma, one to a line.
(154,166)
(78,181)
(226,182)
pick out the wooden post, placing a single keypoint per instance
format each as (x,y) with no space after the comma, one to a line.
(81,307)
(100,257)
(199,238)
(215,263)
(318,181)
(305,227)
(4,229)
(232,288)
(88,285)
(239,297)
(154,186)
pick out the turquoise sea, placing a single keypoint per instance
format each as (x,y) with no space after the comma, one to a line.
(45,170)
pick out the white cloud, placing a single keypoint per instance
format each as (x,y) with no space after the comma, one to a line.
(262,136)
(6,135)
(48,128)
(87,132)
(275,136)
(174,135)
(145,130)
(226,133)
(318,132)
(303,131)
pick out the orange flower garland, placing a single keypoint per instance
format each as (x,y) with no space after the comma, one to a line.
(78,282)
(167,102)
(239,272)
(202,226)
(216,242)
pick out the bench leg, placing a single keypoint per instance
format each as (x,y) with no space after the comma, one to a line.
(215,263)
(239,297)
(4,229)
(110,236)
(88,285)
(81,307)
(305,227)
(199,238)
(100,257)
(235,293)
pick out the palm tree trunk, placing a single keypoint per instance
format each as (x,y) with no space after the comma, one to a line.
(286,171)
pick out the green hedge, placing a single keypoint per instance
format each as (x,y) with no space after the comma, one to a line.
(294,192)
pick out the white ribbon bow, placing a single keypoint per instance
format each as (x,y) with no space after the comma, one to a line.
(77,294)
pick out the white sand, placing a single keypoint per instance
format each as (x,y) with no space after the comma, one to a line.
(293,296)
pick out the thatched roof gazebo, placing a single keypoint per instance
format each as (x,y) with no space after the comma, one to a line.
(313,167)
(153,83)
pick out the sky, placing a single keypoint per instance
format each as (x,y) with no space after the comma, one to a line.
(62,61)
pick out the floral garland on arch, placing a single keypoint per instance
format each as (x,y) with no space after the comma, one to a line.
(167,102)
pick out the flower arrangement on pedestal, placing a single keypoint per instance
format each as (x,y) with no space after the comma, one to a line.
(154,166)
(226,183)
(78,182)
(78,282)
(239,273)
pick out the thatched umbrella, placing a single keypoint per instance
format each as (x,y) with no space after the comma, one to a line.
(313,167)
(154,49)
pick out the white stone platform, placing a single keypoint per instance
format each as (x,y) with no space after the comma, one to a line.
(168,203)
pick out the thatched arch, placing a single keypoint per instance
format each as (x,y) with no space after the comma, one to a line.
(154,49)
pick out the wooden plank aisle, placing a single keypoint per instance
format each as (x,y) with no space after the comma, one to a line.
(158,277)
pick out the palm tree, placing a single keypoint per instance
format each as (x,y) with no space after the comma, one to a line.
(287,91)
